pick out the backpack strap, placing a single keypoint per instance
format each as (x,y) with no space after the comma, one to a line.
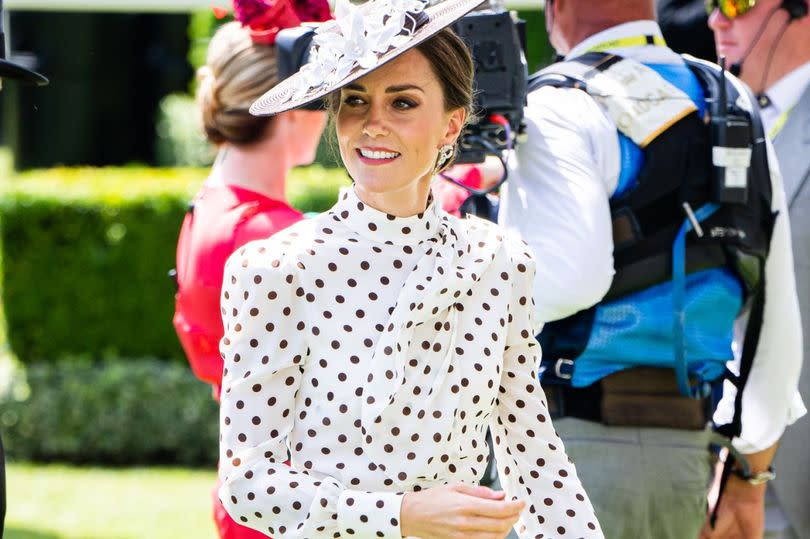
(641,103)
(712,76)
(741,98)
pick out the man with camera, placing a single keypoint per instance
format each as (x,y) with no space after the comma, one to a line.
(768,45)
(655,210)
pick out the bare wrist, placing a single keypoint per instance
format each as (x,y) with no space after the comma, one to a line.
(405,515)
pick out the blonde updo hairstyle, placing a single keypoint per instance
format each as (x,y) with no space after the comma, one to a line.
(236,73)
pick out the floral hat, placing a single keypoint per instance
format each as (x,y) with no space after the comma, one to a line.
(359,40)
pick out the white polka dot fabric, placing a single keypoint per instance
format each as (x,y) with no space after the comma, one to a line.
(375,351)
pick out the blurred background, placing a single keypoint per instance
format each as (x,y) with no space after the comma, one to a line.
(107,431)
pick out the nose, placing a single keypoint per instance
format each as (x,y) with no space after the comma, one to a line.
(375,122)
(718,21)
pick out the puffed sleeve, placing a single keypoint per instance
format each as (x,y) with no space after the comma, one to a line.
(532,463)
(265,351)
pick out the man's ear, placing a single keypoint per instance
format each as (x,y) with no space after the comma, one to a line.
(455,123)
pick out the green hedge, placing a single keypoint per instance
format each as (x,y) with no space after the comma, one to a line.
(539,52)
(114,412)
(86,252)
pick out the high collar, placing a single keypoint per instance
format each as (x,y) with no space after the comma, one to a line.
(787,91)
(381,227)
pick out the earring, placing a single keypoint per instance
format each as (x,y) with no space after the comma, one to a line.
(445,153)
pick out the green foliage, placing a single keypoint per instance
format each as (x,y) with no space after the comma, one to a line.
(201,27)
(114,412)
(86,252)
(539,52)
(180,140)
(314,189)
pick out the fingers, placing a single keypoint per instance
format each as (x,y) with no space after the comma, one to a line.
(485,502)
(478,491)
(460,510)
(496,509)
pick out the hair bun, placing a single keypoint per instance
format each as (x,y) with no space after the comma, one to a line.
(236,72)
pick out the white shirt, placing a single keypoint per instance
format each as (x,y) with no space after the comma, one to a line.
(784,94)
(557,198)
(377,350)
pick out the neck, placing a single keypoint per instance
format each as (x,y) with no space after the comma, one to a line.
(784,62)
(261,168)
(586,20)
(405,202)
(783,48)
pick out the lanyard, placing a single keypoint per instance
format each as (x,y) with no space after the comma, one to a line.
(779,123)
(633,41)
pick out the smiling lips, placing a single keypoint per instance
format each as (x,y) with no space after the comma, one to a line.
(376,156)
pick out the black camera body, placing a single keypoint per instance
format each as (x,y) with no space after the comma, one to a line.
(293,46)
(497,42)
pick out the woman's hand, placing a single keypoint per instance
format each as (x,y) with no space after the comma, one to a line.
(458,511)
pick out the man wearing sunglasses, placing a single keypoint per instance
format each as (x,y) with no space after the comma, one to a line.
(768,42)
(638,325)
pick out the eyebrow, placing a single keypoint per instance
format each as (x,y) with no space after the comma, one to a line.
(390,90)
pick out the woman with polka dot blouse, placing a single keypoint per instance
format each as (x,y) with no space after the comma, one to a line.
(376,343)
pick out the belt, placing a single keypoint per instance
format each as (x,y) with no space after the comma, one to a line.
(637,397)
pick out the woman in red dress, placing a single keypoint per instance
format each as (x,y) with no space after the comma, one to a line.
(243,197)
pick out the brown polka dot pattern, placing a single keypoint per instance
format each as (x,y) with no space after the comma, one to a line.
(375,351)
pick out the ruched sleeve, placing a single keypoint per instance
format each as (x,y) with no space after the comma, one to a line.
(531,459)
(265,351)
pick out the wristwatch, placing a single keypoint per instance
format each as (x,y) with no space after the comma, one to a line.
(755,478)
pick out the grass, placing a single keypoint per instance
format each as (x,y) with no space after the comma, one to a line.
(61,502)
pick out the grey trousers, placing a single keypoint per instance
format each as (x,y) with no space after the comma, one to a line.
(644,483)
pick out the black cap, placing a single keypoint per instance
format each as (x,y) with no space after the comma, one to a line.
(10,70)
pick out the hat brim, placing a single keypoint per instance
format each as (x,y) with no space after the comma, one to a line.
(282,97)
(12,71)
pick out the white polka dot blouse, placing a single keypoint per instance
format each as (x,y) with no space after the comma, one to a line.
(373,352)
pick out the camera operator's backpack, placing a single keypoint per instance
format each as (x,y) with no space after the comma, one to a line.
(701,200)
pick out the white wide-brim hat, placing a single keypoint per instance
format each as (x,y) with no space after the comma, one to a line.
(359,40)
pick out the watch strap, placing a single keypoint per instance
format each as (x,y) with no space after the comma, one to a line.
(755,478)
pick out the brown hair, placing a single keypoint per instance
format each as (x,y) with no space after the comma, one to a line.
(236,73)
(452,64)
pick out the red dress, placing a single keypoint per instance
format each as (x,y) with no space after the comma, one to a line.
(222,219)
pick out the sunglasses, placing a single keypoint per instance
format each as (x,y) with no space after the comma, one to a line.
(730,8)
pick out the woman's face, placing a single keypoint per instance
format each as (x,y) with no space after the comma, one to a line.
(390,125)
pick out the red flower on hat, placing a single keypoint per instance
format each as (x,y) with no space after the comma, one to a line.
(312,10)
(266,18)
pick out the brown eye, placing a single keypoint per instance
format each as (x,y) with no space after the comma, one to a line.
(353,100)
(404,104)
